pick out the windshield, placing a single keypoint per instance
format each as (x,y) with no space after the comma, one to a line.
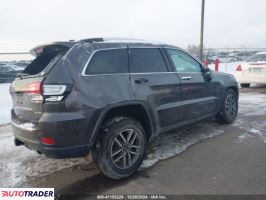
(257,58)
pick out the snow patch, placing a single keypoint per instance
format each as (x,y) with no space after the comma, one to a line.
(5,104)
(18,164)
(243,137)
(259,133)
(253,132)
(170,144)
(252,104)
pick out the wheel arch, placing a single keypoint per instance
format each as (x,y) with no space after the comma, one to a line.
(134,109)
(235,88)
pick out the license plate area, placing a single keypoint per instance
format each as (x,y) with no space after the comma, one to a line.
(256,70)
(19,98)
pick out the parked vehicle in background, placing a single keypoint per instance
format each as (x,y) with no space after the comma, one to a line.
(252,71)
(112,97)
(14,67)
(224,59)
(8,73)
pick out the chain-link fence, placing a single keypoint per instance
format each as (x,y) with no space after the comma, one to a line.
(227,55)
(11,64)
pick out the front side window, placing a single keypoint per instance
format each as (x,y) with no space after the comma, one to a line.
(110,61)
(145,60)
(183,62)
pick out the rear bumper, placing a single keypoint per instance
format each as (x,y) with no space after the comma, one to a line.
(69,131)
(54,152)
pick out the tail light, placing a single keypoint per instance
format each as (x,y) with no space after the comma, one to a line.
(48,140)
(239,68)
(54,93)
(34,87)
(50,93)
(34,91)
(54,89)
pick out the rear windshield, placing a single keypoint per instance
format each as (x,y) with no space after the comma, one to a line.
(257,58)
(43,61)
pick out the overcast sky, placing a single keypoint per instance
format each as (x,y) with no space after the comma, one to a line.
(228,23)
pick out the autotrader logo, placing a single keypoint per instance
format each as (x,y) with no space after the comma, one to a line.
(26,193)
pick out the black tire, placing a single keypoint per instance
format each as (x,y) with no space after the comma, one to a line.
(105,154)
(245,85)
(229,109)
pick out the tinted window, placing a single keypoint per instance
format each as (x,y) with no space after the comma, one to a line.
(183,62)
(146,60)
(41,62)
(108,62)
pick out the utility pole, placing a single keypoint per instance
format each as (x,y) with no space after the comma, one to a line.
(202,29)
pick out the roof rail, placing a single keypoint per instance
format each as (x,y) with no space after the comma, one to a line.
(131,40)
(90,40)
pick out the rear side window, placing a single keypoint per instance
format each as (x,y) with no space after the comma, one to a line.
(146,60)
(112,61)
(183,62)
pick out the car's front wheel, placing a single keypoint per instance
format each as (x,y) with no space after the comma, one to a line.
(229,108)
(121,149)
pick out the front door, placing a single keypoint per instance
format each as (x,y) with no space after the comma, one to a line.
(198,95)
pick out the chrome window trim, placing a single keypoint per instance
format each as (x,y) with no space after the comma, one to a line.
(94,52)
(115,74)
(144,47)
(123,74)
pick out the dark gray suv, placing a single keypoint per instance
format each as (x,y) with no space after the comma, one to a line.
(111,97)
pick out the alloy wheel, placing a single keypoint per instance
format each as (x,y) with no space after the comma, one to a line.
(231,105)
(125,149)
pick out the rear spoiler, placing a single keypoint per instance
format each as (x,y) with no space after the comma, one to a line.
(56,46)
(60,45)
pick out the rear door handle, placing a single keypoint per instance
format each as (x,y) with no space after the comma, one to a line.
(141,80)
(186,77)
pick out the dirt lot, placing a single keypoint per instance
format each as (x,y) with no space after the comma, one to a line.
(205,158)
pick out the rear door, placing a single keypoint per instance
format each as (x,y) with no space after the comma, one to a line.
(198,95)
(155,84)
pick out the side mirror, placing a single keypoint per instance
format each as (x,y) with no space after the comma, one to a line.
(207,75)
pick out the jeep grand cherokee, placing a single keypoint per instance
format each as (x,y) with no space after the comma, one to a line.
(112,97)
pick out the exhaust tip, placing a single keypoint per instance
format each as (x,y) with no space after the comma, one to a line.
(18,142)
(39,152)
